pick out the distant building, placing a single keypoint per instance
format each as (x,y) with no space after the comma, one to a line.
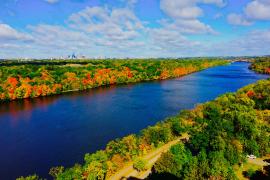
(73,56)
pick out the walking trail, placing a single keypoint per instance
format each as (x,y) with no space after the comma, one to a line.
(128,171)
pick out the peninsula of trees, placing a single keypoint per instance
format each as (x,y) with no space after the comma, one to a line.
(261,65)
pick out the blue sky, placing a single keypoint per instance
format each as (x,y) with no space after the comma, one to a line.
(134,28)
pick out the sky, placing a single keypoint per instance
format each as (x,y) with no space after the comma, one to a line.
(134,28)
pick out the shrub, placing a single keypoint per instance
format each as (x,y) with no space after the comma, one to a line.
(31,177)
(139,165)
(249,173)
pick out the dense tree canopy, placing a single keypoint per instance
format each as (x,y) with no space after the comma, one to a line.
(261,65)
(229,128)
(47,77)
(222,133)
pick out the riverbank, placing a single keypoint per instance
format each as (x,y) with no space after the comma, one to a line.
(123,150)
(261,65)
(19,81)
(60,130)
(129,171)
(218,146)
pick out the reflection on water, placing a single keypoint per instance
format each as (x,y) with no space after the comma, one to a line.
(36,134)
(15,109)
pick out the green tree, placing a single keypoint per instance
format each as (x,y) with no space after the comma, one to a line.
(140,164)
(32,177)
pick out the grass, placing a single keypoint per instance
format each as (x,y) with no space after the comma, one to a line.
(250,164)
(245,167)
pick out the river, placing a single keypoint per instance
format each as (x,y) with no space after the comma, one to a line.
(36,134)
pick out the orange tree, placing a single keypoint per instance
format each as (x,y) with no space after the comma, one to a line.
(42,78)
(222,132)
(261,65)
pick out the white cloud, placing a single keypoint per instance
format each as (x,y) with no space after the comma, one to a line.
(171,40)
(183,19)
(130,3)
(118,32)
(220,3)
(255,10)
(218,16)
(255,40)
(96,31)
(9,46)
(52,1)
(58,37)
(253,43)
(93,31)
(184,9)
(238,19)
(50,41)
(7,33)
(193,26)
(117,26)
(184,15)
(258,10)
(187,9)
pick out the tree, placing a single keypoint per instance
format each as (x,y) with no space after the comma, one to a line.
(31,177)
(177,126)
(173,161)
(116,147)
(140,164)
(75,172)
(157,134)
(131,143)
(55,171)
(218,164)
(190,171)
(166,164)
(203,165)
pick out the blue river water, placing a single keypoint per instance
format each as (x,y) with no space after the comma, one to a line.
(36,134)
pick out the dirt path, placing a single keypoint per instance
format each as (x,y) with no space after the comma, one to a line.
(254,164)
(151,158)
(258,161)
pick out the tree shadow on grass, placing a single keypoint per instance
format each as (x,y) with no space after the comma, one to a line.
(260,174)
(155,176)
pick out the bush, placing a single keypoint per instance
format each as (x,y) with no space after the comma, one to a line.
(55,171)
(249,173)
(177,127)
(139,165)
(32,177)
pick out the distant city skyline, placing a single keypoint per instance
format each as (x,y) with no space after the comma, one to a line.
(134,28)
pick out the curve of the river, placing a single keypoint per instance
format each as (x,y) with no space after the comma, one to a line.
(36,134)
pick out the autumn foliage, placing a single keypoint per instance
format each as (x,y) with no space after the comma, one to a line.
(29,81)
(261,65)
(221,133)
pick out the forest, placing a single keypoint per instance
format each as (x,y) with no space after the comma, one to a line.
(261,65)
(30,79)
(222,133)
(225,131)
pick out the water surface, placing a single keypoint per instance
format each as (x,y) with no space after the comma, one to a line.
(39,133)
